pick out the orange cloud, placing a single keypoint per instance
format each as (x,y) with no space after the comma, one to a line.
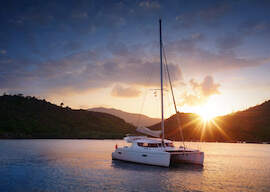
(206,88)
(120,91)
(202,91)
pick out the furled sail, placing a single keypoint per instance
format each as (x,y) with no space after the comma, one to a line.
(149,132)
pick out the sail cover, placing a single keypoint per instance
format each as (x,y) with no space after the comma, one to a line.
(149,132)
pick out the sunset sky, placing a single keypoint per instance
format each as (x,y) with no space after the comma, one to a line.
(89,54)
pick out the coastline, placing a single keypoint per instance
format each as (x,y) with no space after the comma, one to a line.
(72,138)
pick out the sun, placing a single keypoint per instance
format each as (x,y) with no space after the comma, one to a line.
(208,111)
(207,115)
(214,107)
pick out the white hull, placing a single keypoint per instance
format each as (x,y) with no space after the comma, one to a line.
(158,158)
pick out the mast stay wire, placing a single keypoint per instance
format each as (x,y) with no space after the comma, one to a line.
(175,107)
(153,70)
(145,92)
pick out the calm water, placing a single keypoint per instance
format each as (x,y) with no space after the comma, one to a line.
(86,165)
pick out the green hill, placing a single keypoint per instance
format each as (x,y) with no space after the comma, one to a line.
(28,117)
(250,125)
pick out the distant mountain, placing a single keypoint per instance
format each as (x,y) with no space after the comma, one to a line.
(128,117)
(252,124)
(28,117)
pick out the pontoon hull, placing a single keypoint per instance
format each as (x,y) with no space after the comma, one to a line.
(158,158)
(191,157)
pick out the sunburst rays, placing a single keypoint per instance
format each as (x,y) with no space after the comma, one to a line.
(206,129)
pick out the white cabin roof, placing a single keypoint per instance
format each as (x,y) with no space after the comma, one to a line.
(152,140)
(144,139)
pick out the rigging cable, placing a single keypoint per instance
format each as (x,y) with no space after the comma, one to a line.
(175,107)
(145,93)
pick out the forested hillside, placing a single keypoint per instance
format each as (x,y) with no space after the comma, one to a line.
(251,125)
(29,117)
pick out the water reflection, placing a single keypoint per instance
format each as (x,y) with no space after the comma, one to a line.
(185,167)
(86,165)
(117,164)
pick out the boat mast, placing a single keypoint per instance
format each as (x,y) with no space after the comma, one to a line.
(161,83)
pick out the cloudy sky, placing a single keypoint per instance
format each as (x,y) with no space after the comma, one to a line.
(100,53)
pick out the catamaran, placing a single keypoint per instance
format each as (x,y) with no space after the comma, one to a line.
(157,150)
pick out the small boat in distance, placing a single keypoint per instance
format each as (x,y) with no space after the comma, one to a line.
(156,151)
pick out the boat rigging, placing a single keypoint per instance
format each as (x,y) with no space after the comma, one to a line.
(158,151)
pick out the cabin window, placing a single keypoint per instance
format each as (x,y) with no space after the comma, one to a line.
(152,145)
(140,144)
(169,145)
(143,144)
(147,144)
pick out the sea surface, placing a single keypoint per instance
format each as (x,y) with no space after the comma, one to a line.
(86,165)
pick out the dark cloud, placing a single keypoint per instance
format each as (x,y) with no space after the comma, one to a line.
(183,46)
(187,20)
(206,61)
(228,42)
(120,91)
(118,63)
(150,5)
(80,45)
(214,12)
(197,36)
(110,69)
(43,26)
(96,68)
(3,52)
(207,14)
(254,26)
(15,74)
(72,45)
(109,21)
(118,49)
(78,14)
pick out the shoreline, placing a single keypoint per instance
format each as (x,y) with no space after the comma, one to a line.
(71,138)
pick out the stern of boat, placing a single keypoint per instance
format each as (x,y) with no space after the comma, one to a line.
(190,157)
